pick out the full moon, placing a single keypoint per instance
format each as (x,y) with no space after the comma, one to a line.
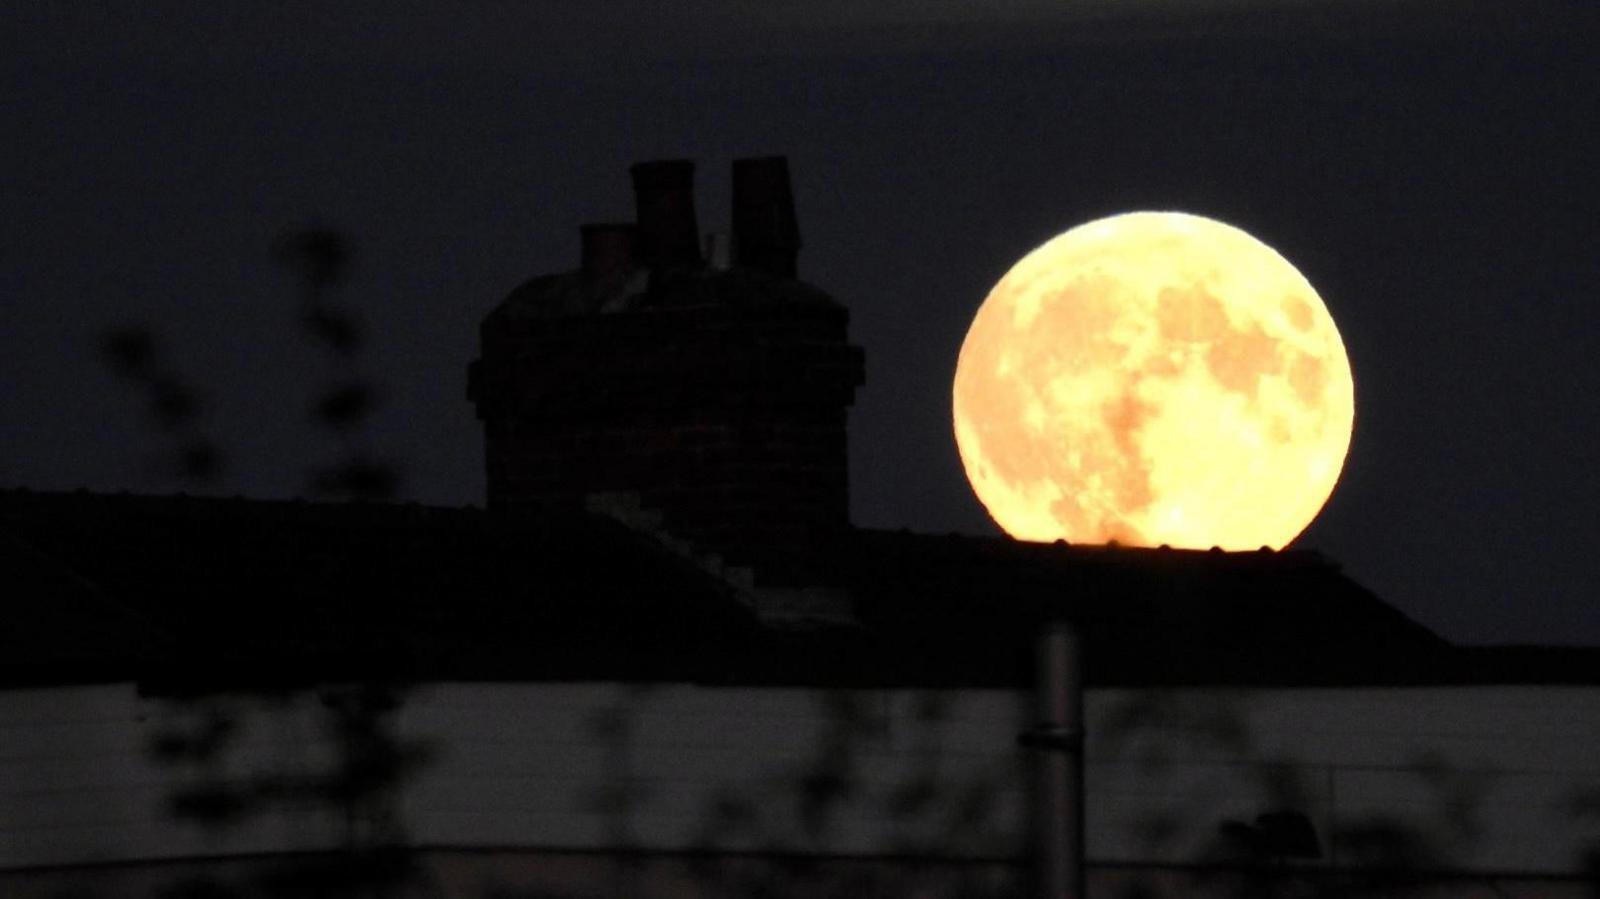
(1154,378)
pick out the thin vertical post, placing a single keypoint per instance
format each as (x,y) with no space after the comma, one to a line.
(1058,737)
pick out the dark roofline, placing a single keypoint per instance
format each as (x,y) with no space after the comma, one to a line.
(327,592)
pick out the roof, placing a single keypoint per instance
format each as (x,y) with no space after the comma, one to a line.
(186,593)
(183,590)
(1147,616)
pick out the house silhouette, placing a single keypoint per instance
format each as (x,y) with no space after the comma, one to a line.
(660,661)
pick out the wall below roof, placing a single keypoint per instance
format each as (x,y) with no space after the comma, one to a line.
(1470,780)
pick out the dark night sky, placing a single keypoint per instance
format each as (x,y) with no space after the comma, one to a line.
(1430,167)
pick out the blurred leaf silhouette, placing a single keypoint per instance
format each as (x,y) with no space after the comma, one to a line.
(356,478)
(129,350)
(133,354)
(321,254)
(321,257)
(172,403)
(370,762)
(344,406)
(200,460)
(212,803)
(1273,837)
(199,742)
(359,784)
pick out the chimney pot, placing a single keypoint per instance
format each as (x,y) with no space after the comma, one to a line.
(663,191)
(766,234)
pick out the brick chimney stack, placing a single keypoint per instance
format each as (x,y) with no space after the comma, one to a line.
(609,250)
(718,396)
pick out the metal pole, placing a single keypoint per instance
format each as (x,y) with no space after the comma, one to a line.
(1059,739)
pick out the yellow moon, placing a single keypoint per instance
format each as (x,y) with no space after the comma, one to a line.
(1154,378)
